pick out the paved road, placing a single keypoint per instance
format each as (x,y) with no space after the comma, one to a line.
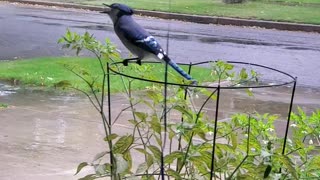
(28,31)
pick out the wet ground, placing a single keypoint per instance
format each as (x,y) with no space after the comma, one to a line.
(45,135)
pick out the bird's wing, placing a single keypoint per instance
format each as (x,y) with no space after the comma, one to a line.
(139,37)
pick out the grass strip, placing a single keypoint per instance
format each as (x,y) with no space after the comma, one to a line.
(299,11)
(47,71)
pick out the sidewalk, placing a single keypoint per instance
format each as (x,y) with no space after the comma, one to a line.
(190,18)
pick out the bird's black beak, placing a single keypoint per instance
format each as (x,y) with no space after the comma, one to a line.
(106,4)
(106,10)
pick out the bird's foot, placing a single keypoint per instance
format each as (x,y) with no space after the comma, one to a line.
(139,62)
(125,62)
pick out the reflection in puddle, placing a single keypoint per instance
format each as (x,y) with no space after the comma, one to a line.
(48,135)
(6,89)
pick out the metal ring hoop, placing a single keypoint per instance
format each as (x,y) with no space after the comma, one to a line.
(292,78)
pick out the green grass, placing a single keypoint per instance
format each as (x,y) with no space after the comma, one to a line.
(296,1)
(301,11)
(48,71)
(2,106)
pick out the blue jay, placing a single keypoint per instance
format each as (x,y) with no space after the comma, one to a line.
(137,39)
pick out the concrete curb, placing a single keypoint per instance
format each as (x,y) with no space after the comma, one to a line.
(190,18)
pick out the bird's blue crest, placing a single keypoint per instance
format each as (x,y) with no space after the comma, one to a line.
(122,7)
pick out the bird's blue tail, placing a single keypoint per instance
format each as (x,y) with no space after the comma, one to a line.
(179,70)
(176,67)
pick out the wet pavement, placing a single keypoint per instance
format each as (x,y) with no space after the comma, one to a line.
(47,134)
(29,31)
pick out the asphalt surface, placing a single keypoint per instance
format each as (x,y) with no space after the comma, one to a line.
(31,31)
(188,17)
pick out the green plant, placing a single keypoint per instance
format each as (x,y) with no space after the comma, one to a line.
(309,126)
(2,105)
(175,137)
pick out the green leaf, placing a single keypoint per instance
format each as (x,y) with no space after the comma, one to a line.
(89,177)
(143,167)
(149,159)
(123,144)
(200,165)
(100,155)
(205,157)
(172,134)
(234,140)
(249,92)
(3,105)
(141,150)
(80,166)
(168,159)
(128,158)
(100,169)
(228,66)
(122,164)
(132,121)
(255,75)
(224,147)
(201,134)
(111,137)
(158,139)
(155,97)
(174,174)
(184,111)
(141,115)
(155,124)
(155,151)
(148,177)
(285,160)
(61,40)
(314,164)
(209,94)
(68,35)
(243,74)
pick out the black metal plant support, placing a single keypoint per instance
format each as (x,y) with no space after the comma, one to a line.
(164,120)
(215,90)
(289,116)
(109,115)
(215,132)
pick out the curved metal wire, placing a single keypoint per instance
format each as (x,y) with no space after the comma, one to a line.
(291,81)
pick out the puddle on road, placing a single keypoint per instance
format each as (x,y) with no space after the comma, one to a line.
(46,134)
(6,90)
